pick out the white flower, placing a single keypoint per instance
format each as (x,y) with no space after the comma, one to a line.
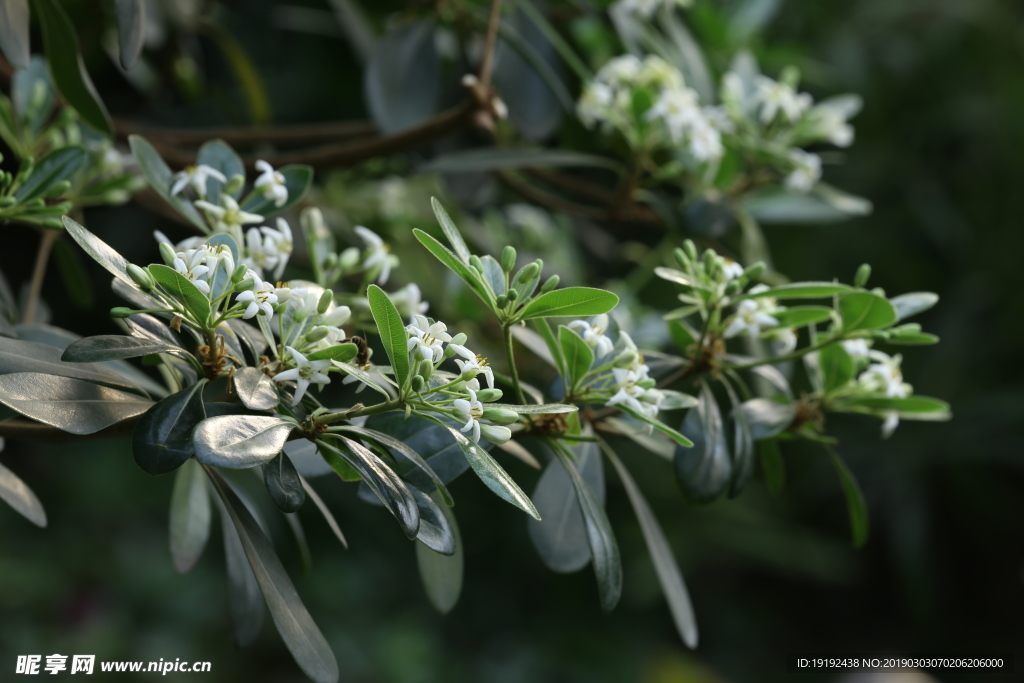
(377,253)
(471,412)
(304,303)
(831,124)
(752,317)
(191,264)
(196,176)
(228,217)
(409,301)
(679,109)
(303,373)
(184,245)
(785,341)
(426,338)
(271,183)
(261,254)
(217,254)
(261,297)
(774,97)
(594,334)
(282,242)
(857,349)
(705,142)
(892,421)
(647,8)
(474,365)
(629,394)
(807,170)
(885,376)
(731,269)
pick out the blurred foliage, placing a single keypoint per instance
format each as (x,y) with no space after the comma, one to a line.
(938,153)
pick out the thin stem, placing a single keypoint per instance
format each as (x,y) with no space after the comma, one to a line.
(384,407)
(789,356)
(38,274)
(492,38)
(509,354)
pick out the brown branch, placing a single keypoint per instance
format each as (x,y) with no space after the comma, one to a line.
(351,153)
(39,274)
(294,134)
(633,213)
(582,188)
(490,44)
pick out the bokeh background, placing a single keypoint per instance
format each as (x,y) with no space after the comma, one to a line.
(939,151)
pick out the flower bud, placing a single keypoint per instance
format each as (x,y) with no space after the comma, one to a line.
(863,273)
(502,301)
(338,317)
(529,271)
(418,383)
(512,294)
(733,287)
(501,416)
(549,284)
(476,263)
(234,184)
(691,249)
(7,201)
(495,434)
(330,261)
(348,258)
(240,272)
(167,253)
(244,285)
(425,369)
(508,259)
(710,261)
(121,312)
(626,359)
(680,257)
(488,395)
(459,339)
(140,276)
(316,334)
(648,383)
(754,271)
(57,189)
(326,299)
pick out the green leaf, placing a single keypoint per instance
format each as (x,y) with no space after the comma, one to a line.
(181,289)
(434,532)
(800,290)
(100,252)
(162,440)
(76,279)
(14,33)
(451,232)
(766,418)
(537,408)
(554,348)
(70,405)
(912,405)
(799,316)
(190,516)
(161,178)
(682,335)
(403,450)
(283,484)
(837,368)
(742,450)
(392,332)
(657,424)
(604,551)
(300,634)
(560,536)
(571,301)
(913,303)
(542,68)
(106,347)
(244,595)
(297,180)
(66,67)
(855,504)
(18,355)
(664,560)
(913,339)
(432,442)
(240,441)
(676,400)
(865,311)
(484,159)
(16,493)
(131,30)
(489,471)
(219,156)
(473,279)
(578,356)
(342,353)
(381,479)
(255,390)
(678,277)
(703,472)
(402,78)
(60,164)
(772,465)
(442,574)
(325,511)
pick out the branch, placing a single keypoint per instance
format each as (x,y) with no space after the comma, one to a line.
(637,213)
(489,46)
(38,274)
(294,134)
(21,428)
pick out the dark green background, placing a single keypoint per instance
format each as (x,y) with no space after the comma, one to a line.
(938,150)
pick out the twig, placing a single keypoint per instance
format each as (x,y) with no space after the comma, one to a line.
(38,274)
(487,64)
(296,134)
(21,428)
(632,213)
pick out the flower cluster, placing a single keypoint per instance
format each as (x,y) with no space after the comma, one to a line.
(649,102)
